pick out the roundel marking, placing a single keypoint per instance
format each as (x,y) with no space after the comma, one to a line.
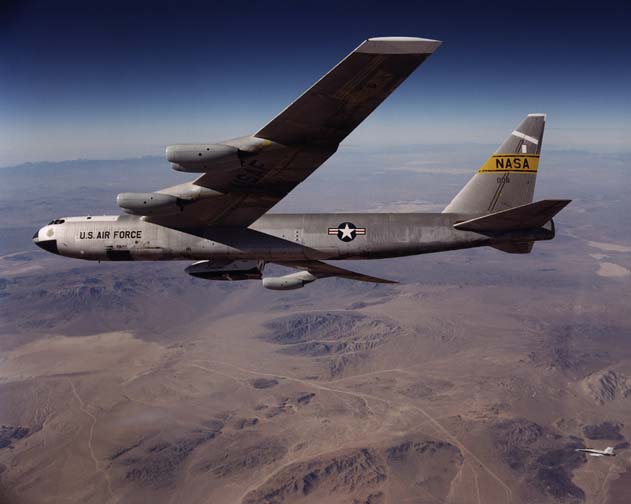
(347,231)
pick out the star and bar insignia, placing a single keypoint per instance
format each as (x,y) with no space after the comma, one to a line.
(347,231)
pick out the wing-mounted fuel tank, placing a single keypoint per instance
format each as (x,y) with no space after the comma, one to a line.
(289,282)
(224,270)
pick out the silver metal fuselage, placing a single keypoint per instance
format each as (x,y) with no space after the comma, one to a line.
(274,237)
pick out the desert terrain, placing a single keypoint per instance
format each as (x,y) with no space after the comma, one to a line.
(472,381)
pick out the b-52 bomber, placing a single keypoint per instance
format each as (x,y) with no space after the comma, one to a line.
(222,220)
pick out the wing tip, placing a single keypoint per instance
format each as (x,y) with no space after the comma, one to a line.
(398,45)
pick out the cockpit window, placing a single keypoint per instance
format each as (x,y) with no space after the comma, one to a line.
(56,221)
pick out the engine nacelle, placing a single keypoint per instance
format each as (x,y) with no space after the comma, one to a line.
(289,282)
(150,203)
(201,158)
(233,270)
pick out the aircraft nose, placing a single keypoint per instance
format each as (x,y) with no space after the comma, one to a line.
(47,245)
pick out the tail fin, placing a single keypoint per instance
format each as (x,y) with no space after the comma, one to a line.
(507,178)
(609,450)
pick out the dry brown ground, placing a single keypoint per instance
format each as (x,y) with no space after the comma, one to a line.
(413,394)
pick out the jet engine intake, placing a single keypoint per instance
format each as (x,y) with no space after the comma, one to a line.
(202,158)
(150,203)
(233,270)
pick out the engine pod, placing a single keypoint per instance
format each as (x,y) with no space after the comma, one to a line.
(201,158)
(150,203)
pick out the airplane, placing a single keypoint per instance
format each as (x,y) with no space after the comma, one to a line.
(607,452)
(221,220)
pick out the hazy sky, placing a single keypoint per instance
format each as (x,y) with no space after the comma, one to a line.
(116,79)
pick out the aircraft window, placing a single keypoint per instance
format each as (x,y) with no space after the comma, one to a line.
(88,218)
(51,222)
(58,221)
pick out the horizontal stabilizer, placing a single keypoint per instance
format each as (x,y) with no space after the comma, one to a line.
(321,269)
(529,216)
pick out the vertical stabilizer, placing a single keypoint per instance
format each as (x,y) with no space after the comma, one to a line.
(507,178)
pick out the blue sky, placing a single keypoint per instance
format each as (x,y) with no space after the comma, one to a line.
(111,80)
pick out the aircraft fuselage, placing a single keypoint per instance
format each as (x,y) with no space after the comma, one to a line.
(288,237)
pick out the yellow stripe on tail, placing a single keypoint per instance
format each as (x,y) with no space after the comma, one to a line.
(521,163)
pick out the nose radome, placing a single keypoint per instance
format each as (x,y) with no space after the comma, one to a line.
(49,245)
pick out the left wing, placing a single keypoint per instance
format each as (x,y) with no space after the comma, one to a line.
(321,269)
(335,105)
(245,177)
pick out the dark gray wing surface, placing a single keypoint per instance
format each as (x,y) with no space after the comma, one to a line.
(269,164)
(244,194)
(321,269)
